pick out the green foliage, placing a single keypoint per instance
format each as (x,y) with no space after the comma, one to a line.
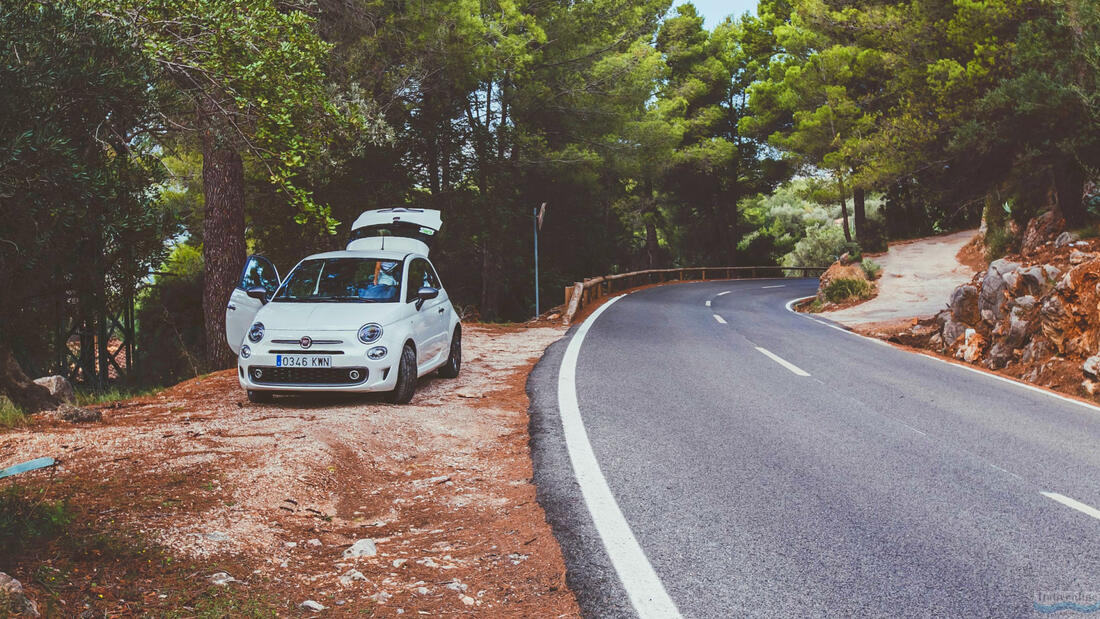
(820,247)
(170,320)
(26,519)
(844,289)
(11,416)
(871,268)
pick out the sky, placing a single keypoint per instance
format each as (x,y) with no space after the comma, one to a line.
(714,11)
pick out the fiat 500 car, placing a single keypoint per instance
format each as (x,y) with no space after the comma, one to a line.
(364,319)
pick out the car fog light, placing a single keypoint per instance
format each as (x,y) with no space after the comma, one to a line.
(246,352)
(353,374)
(377,353)
(257,373)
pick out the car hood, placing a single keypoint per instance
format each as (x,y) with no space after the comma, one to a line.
(309,317)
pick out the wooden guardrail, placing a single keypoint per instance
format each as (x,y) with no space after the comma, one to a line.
(582,294)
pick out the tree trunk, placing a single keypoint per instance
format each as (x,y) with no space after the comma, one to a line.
(649,216)
(223,249)
(844,218)
(1069,183)
(488,285)
(859,202)
(19,389)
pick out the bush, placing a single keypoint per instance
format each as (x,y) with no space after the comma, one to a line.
(871,268)
(845,288)
(11,416)
(170,321)
(26,519)
(820,247)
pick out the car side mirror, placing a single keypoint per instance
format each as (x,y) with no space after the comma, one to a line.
(257,293)
(424,294)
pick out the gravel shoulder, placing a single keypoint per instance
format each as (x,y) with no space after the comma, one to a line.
(275,494)
(917,279)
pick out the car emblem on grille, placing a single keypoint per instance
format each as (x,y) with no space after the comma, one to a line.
(306,341)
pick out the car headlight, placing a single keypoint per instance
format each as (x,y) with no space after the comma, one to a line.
(376,353)
(256,332)
(246,352)
(370,332)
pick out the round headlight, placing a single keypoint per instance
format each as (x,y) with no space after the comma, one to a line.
(377,353)
(246,352)
(256,332)
(369,333)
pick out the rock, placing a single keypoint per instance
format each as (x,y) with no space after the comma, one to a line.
(991,299)
(1051,316)
(1041,230)
(316,543)
(952,331)
(1017,330)
(964,304)
(1004,266)
(399,562)
(553,316)
(221,579)
(361,548)
(13,602)
(349,577)
(999,355)
(59,387)
(1091,366)
(217,536)
(467,600)
(1012,280)
(1090,386)
(1080,257)
(1065,238)
(1034,351)
(311,605)
(1025,303)
(971,349)
(381,597)
(1037,279)
(75,414)
(457,586)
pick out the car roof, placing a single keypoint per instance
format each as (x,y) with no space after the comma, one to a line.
(370,254)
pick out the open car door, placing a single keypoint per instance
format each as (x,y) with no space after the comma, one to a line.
(241,310)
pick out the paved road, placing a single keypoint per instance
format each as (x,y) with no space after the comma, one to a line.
(884,483)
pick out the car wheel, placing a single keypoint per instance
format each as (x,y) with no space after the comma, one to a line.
(454,362)
(259,397)
(406,377)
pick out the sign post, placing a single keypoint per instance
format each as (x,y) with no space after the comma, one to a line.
(538,214)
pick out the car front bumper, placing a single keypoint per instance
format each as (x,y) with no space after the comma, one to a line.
(351,369)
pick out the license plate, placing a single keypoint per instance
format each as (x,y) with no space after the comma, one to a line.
(303,361)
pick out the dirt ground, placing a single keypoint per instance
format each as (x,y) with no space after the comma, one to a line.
(917,279)
(173,488)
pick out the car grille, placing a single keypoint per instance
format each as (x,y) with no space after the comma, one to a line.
(306,376)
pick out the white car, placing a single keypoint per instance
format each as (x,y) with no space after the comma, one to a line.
(372,318)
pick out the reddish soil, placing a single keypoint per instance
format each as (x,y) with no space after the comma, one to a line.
(172,488)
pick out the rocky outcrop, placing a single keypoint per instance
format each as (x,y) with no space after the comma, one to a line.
(13,601)
(1041,230)
(59,387)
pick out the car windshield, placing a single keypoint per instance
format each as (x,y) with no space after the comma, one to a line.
(362,280)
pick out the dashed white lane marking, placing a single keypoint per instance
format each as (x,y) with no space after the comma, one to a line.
(783,362)
(1068,502)
(643,587)
(720,294)
(708,303)
(779,286)
(720,319)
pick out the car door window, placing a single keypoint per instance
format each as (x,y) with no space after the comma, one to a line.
(259,273)
(417,276)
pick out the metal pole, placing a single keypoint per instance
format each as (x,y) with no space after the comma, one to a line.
(535,223)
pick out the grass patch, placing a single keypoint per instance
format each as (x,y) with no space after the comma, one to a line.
(871,268)
(28,519)
(997,243)
(114,394)
(845,288)
(11,416)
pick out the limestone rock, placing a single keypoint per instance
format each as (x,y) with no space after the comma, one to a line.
(1091,366)
(13,601)
(1065,238)
(1080,257)
(362,548)
(964,304)
(59,387)
(75,414)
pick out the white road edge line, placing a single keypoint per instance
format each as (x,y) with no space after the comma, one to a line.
(723,293)
(1003,379)
(783,362)
(779,286)
(720,319)
(1068,502)
(643,587)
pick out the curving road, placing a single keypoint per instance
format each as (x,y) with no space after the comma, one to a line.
(769,464)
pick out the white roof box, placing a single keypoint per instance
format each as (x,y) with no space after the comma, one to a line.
(395,229)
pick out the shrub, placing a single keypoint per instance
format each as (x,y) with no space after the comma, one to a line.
(26,519)
(871,268)
(820,247)
(845,288)
(11,416)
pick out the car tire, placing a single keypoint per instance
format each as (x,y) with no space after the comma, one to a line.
(406,377)
(451,368)
(259,397)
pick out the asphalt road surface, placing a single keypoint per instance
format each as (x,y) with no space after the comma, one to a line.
(771,465)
